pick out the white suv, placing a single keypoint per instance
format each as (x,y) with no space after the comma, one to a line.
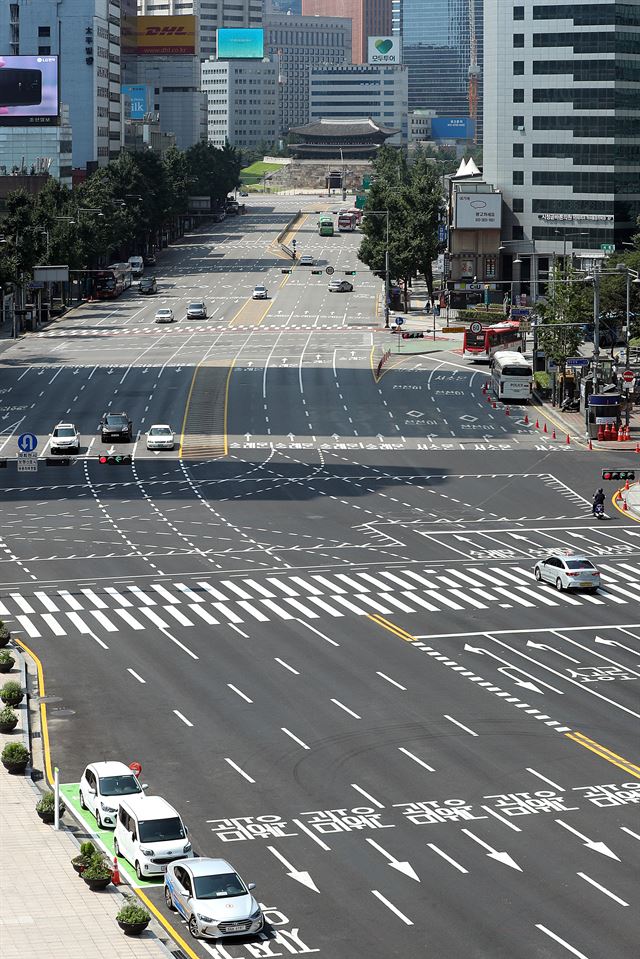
(101,788)
(65,439)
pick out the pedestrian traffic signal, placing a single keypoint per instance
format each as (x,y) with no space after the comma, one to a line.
(316,272)
(618,474)
(350,272)
(116,459)
(58,460)
(285,271)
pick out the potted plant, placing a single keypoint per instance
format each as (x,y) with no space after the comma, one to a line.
(46,807)
(97,874)
(87,851)
(5,635)
(15,757)
(133,918)
(11,693)
(7,662)
(8,720)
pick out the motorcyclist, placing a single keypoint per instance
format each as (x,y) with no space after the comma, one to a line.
(598,500)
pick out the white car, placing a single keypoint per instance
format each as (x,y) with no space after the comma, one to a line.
(212,898)
(165,315)
(197,310)
(65,439)
(160,437)
(570,571)
(259,292)
(307,260)
(101,787)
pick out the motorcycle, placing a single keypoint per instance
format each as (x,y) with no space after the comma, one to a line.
(598,511)
(569,405)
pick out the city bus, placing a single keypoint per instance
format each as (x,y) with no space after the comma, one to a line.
(511,376)
(481,344)
(346,222)
(112,281)
(325,224)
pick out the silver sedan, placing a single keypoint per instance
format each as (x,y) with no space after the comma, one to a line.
(212,898)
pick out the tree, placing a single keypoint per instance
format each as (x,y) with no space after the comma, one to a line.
(568,302)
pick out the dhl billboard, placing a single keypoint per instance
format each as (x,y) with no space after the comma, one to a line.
(164,36)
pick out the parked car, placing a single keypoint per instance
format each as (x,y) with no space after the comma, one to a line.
(149,259)
(148,284)
(160,437)
(137,266)
(570,571)
(165,315)
(101,785)
(212,898)
(197,309)
(116,426)
(340,286)
(259,292)
(150,834)
(65,438)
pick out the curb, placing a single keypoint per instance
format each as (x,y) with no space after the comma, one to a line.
(631,512)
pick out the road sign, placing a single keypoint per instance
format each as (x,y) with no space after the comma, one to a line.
(578,361)
(329,270)
(520,312)
(608,247)
(27,442)
(27,462)
(628,376)
(476,327)
(399,320)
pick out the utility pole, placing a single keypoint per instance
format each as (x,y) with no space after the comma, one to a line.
(596,330)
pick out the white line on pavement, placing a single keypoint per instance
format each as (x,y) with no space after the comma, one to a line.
(289,733)
(416,759)
(286,666)
(562,942)
(239,692)
(346,708)
(456,723)
(389,680)
(607,892)
(390,906)
(238,770)
(367,796)
(312,835)
(544,778)
(135,675)
(448,858)
(183,718)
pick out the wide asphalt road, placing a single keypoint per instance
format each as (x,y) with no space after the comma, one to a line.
(315,622)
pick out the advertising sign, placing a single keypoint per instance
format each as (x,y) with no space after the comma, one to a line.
(385,50)
(28,91)
(478,211)
(165,36)
(137,93)
(452,128)
(240,43)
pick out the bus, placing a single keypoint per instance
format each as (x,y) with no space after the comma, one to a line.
(511,376)
(482,343)
(111,282)
(325,224)
(346,222)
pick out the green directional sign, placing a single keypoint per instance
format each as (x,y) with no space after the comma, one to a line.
(608,247)
(361,202)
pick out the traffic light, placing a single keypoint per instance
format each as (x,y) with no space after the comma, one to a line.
(294,243)
(58,460)
(350,272)
(316,272)
(618,474)
(285,271)
(114,459)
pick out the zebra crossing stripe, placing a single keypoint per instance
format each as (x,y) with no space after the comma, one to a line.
(153,617)
(128,618)
(203,614)
(53,625)
(104,622)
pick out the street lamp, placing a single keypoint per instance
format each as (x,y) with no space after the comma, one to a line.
(564,234)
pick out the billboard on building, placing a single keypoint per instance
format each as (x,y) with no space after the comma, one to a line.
(452,128)
(165,36)
(240,43)
(478,211)
(138,96)
(384,50)
(29,91)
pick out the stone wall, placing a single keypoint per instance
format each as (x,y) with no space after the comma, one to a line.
(313,173)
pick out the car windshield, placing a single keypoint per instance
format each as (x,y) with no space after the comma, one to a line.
(116,419)
(161,830)
(579,564)
(259,288)
(219,887)
(160,431)
(195,306)
(123,785)
(64,431)
(164,312)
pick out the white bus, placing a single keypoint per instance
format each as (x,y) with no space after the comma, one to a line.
(511,376)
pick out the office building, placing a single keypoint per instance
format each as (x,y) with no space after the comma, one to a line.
(211,15)
(242,102)
(85,34)
(176,96)
(45,149)
(369,18)
(562,124)
(300,43)
(437,43)
(357,91)
(293,7)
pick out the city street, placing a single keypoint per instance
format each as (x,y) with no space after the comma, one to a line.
(316,620)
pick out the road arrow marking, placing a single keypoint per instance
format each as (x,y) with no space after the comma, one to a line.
(247,436)
(296,874)
(291,437)
(403,867)
(502,857)
(111,450)
(551,650)
(590,843)
(613,642)
(519,682)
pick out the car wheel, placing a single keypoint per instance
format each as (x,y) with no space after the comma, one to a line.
(538,574)
(83,804)
(139,871)
(168,899)
(559,585)
(193,927)
(99,821)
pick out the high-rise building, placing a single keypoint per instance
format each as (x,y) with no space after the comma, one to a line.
(293,7)
(85,35)
(357,91)
(242,102)
(562,122)
(369,18)
(437,42)
(211,15)
(300,43)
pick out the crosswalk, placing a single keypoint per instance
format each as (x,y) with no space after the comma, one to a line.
(329,594)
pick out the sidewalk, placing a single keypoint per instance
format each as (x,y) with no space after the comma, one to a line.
(574,425)
(633,500)
(47,910)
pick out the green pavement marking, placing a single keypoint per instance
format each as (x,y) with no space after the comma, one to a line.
(69,792)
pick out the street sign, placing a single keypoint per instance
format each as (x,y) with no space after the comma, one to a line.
(27,442)
(578,361)
(628,376)
(27,462)
(476,327)
(399,320)
(608,247)
(520,312)
(442,233)
(329,270)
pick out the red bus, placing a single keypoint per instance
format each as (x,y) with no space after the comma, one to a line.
(482,344)
(346,222)
(111,282)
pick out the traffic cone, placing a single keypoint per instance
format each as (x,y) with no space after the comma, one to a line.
(590,445)
(600,434)
(494,406)
(626,484)
(621,435)
(526,419)
(507,411)
(637,447)
(545,429)
(115,875)
(614,432)
(537,425)
(624,506)
(606,435)
(553,434)
(568,441)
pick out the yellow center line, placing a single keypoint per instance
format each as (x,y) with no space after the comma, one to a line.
(605,753)
(392,628)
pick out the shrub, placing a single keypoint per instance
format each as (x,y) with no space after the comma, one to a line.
(15,754)
(133,912)
(542,380)
(5,635)
(11,693)
(6,659)
(98,868)
(48,804)
(88,850)
(8,717)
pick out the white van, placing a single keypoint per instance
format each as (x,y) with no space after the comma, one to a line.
(150,834)
(137,266)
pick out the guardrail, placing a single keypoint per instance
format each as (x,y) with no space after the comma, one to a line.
(290,225)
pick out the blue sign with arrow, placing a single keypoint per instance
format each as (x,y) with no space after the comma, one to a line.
(27,442)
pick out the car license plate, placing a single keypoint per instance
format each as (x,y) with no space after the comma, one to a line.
(236,926)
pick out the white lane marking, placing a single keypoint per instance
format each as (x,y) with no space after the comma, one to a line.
(367,795)
(104,622)
(239,693)
(189,593)
(136,676)
(295,738)
(203,614)
(185,649)
(325,606)
(117,596)
(439,852)
(502,819)
(562,942)
(234,588)
(183,718)
(389,680)
(346,708)
(416,759)
(282,613)
(391,906)
(256,613)
(544,778)
(630,832)
(259,588)
(239,770)
(456,723)
(177,615)
(312,835)
(238,630)
(603,889)
(53,625)
(215,593)
(24,605)
(128,618)
(71,600)
(165,592)
(28,627)
(141,596)
(93,598)
(153,616)
(286,666)
(317,631)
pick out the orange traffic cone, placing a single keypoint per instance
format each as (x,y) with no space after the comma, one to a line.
(590,445)
(624,506)
(494,406)
(621,435)
(553,434)
(637,447)
(545,428)
(537,425)
(526,419)
(508,411)
(115,875)
(614,432)
(600,436)
(626,484)
(568,441)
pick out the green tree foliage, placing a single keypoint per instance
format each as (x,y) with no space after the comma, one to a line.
(568,300)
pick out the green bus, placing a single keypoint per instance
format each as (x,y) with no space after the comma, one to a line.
(325,224)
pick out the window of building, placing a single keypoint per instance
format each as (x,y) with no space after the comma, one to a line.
(44,31)
(518,13)
(44,51)
(518,177)
(518,96)
(517,205)
(518,123)
(517,232)
(518,68)
(518,149)
(518,39)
